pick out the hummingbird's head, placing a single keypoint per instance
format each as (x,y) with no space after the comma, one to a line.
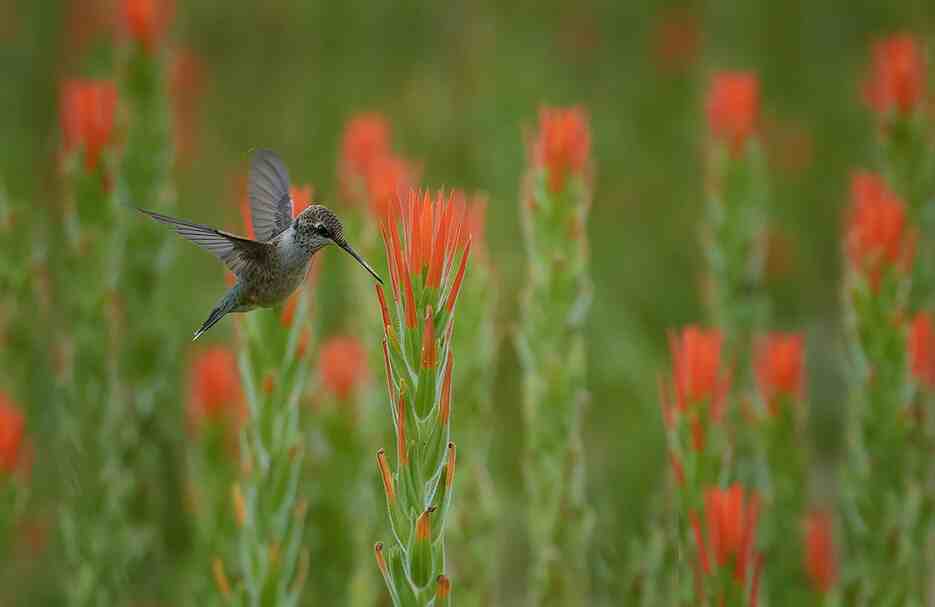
(317,227)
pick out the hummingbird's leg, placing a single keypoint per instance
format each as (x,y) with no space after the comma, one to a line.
(229,303)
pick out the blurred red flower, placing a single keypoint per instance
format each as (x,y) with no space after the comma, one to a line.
(342,363)
(214,389)
(562,145)
(147,21)
(186,82)
(301,198)
(877,235)
(87,114)
(699,382)
(12,433)
(697,372)
(731,521)
(897,75)
(733,108)
(922,349)
(477,222)
(779,368)
(676,39)
(820,560)
(388,177)
(366,138)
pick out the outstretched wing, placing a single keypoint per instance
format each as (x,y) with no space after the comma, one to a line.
(270,204)
(239,254)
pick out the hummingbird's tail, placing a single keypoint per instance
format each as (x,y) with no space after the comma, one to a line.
(228,304)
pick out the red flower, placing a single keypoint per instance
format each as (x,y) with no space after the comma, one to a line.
(88,108)
(562,145)
(301,198)
(820,560)
(366,139)
(697,372)
(477,221)
(699,381)
(922,349)
(676,40)
(387,178)
(147,21)
(877,235)
(779,368)
(733,108)
(342,363)
(897,75)
(186,82)
(12,430)
(731,529)
(214,389)
(422,239)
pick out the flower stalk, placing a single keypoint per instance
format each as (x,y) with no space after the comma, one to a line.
(550,342)
(427,245)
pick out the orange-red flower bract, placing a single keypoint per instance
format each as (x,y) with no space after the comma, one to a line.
(301,198)
(699,382)
(697,371)
(897,75)
(87,114)
(820,561)
(922,349)
(186,82)
(877,235)
(214,388)
(342,362)
(562,145)
(388,177)
(423,237)
(366,138)
(733,108)
(12,430)
(676,39)
(731,521)
(147,21)
(779,367)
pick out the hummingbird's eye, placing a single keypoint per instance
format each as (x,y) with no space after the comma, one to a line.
(322,230)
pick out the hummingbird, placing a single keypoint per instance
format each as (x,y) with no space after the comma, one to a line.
(271,267)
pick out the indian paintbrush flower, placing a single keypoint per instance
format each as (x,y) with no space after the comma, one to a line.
(147,21)
(728,542)
(779,368)
(12,436)
(922,350)
(427,244)
(676,39)
(215,394)
(878,237)
(342,362)
(563,144)
(186,84)
(819,555)
(554,205)
(366,138)
(87,115)
(733,107)
(896,82)
(700,381)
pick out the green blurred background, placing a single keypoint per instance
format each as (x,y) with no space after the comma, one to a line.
(461,83)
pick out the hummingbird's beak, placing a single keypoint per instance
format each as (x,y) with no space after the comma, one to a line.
(343,244)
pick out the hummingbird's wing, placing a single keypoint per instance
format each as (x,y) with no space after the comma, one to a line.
(270,203)
(238,254)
